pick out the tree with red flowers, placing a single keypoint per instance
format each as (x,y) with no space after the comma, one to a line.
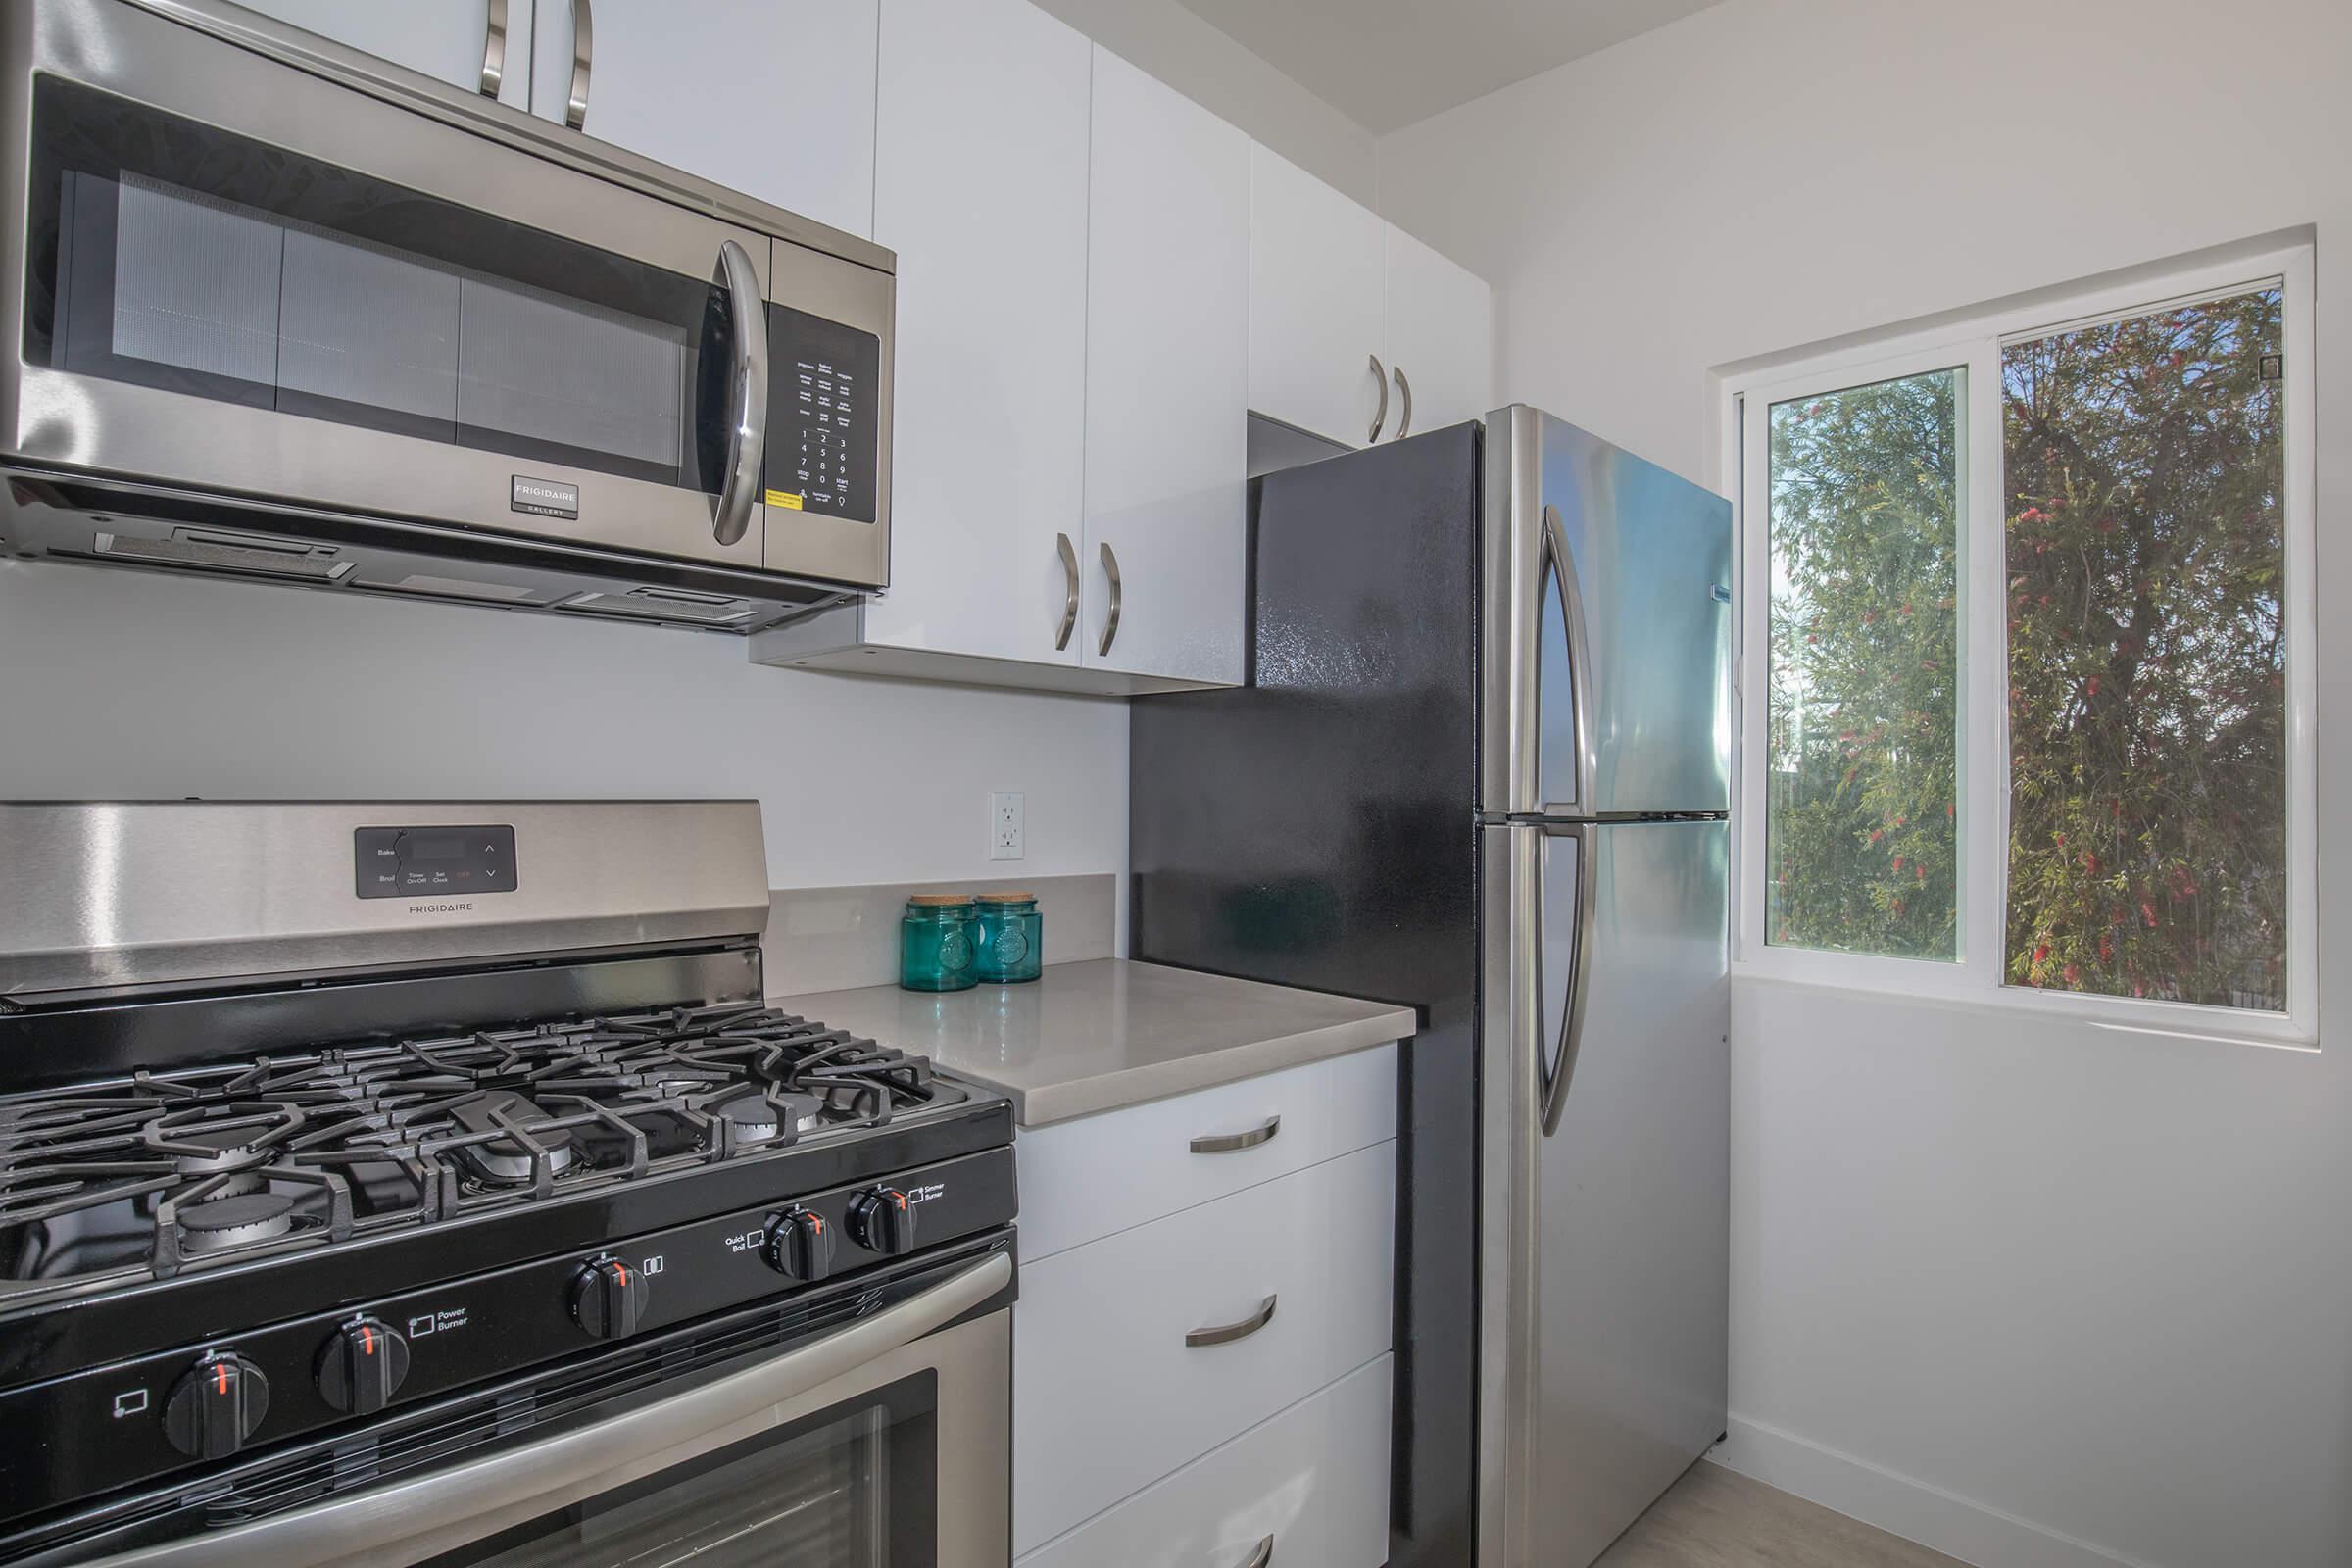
(2145,472)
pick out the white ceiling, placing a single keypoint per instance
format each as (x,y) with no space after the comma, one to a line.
(1386,64)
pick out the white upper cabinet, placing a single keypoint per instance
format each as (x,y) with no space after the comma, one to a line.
(1167,370)
(1440,339)
(1317,303)
(980,186)
(774,98)
(445,38)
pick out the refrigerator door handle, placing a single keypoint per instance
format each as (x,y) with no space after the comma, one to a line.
(1553,1080)
(1579,679)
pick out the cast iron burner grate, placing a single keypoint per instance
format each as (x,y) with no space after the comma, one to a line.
(140,1175)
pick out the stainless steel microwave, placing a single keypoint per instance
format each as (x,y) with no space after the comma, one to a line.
(281,310)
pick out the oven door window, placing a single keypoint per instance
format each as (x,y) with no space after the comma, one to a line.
(171,253)
(856,1487)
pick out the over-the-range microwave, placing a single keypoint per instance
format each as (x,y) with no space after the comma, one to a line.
(279,309)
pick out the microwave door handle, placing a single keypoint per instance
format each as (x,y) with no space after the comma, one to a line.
(494,48)
(584,56)
(1555,1078)
(747,442)
(557,1471)
(1580,674)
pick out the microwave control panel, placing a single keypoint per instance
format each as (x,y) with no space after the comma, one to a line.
(822,421)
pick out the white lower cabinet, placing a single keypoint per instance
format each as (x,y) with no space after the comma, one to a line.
(1312,1481)
(1137,1354)
(1086,1179)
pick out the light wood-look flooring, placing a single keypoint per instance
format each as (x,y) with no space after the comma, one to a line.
(1717,1518)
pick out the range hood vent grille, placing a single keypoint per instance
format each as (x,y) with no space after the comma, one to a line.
(189,549)
(662,604)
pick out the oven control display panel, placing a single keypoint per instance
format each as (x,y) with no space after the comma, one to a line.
(822,421)
(425,863)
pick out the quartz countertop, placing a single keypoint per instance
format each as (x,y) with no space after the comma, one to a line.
(1104,1033)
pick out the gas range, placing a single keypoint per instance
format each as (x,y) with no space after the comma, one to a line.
(302,1207)
(138,1177)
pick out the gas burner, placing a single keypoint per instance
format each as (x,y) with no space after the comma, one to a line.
(236,1221)
(520,1136)
(761,1116)
(216,1139)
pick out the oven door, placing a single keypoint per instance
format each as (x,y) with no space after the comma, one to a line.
(883,1444)
(229,275)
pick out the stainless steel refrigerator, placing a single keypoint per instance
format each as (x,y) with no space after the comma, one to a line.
(1482,768)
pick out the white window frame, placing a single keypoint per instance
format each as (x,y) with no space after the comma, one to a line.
(1975,344)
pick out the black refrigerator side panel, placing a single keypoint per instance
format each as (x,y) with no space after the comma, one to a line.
(1315,829)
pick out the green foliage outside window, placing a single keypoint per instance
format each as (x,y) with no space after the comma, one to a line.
(2144,577)
(1861,815)
(2145,463)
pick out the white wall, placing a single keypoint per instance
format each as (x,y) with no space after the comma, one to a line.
(120,684)
(2040,1293)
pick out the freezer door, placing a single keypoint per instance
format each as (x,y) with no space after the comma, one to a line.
(1604,1228)
(1607,629)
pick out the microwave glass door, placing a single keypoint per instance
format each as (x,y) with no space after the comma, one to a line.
(855,1487)
(168,253)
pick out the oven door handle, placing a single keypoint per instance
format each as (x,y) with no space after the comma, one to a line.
(550,1468)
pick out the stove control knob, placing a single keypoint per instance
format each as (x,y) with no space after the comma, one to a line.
(883,1221)
(607,1299)
(361,1365)
(211,1412)
(800,1244)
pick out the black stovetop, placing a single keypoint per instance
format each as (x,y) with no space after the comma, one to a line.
(144,1177)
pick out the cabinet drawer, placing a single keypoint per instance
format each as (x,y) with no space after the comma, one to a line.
(1089,1178)
(1108,1397)
(1315,1478)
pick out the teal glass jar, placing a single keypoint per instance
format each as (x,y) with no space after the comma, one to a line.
(936,943)
(1009,939)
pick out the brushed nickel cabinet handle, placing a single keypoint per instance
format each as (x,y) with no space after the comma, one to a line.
(583,55)
(1380,416)
(1405,421)
(1110,627)
(494,48)
(1228,1143)
(1263,1556)
(1227,1333)
(1069,604)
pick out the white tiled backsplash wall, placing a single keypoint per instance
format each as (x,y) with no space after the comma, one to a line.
(118,684)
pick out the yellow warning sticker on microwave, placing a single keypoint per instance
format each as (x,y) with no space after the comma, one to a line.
(784,498)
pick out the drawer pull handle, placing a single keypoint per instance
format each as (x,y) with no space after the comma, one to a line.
(1263,1556)
(1227,1333)
(1228,1143)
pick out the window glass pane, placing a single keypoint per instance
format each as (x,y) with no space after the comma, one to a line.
(2145,463)
(1860,823)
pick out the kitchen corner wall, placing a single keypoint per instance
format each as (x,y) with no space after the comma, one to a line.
(2039,1293)
(119,684)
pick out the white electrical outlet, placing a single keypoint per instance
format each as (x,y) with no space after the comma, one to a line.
(1005,813)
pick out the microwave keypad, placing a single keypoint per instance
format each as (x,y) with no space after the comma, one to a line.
(822,418)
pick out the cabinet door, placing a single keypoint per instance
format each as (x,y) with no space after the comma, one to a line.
(1309,1486)
(980,188)
(443,38)
(774,98)
(1317,302)
(1167,370)
(1440,338)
